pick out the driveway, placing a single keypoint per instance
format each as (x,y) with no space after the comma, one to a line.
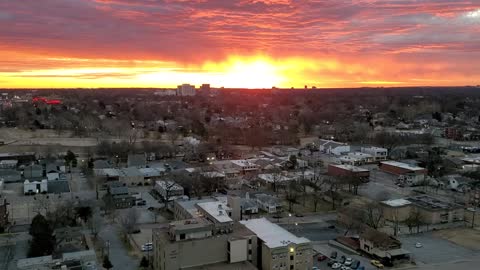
(119,256)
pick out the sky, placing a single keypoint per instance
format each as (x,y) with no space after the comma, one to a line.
(239,43)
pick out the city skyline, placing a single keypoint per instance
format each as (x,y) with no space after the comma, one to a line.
(239,44)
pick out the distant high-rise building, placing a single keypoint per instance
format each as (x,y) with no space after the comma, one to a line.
(205,88)
(186,90)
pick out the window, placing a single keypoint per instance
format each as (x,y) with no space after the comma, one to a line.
(250,240)
(249,252)
(291,267)
(182,236)
(291,257)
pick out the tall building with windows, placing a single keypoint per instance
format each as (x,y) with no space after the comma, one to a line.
(186,90)
(278,249)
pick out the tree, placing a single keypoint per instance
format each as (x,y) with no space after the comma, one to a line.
(144,263)
(415,219)
(106,263)
(129,220)
(84,212)
(43,241)
(70,159)
(373,215)
(292,194)
(96,223)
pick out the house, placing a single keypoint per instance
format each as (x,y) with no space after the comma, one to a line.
(137,160)
(333,147)
(381,245)
(10,176)
(245,166)
(69,239)
(169,190)
(378,153)
(348,171)
(268,203)
(131,176)
(34,187)
(8,164)
(407,173)
(99,165)
(118,196)
(33,171)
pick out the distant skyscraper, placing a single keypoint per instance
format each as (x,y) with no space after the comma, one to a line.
(205,88)
(186,90)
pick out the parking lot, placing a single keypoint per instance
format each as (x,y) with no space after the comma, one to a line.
(327,250)
(435,250)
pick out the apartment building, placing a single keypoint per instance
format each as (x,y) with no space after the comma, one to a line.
(277,248)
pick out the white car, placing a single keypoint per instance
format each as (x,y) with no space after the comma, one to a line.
(418,245)
(336,266)
(348,262)
(345,268)
(147,247)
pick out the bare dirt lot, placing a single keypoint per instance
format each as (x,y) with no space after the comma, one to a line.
(468,238)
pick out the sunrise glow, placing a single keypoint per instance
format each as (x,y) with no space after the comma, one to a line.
(241,44)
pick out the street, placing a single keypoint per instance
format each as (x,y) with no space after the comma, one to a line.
(117,252)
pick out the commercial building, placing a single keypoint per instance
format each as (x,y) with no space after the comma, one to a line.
(187,209)
(278,248)
(377,153)
(435,211)
(118,196)
(410,174)
(333,147)
(33,171)
(196,242)
(348,171)
(269,203)
(356,158)
(85,260)
(381,245)
(186,90)
(431,210)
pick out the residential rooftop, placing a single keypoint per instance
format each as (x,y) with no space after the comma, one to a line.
(272,234)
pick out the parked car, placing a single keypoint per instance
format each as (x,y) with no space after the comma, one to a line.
(321,257)
(299,215)
(361,268)
(142,202)
(333,255)
(355,264)
(377,264)
(331,262)
(342,259)
(348,262)
(418,245)
(147,247)
(336,265)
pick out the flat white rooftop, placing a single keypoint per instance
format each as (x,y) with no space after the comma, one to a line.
(397,202)
(217,210)
(349,168)
(272,234)
(403,165)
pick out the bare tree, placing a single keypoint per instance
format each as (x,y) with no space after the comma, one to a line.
(292,193)
(415,219)
(129,219)
(373,215)
(96,223)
